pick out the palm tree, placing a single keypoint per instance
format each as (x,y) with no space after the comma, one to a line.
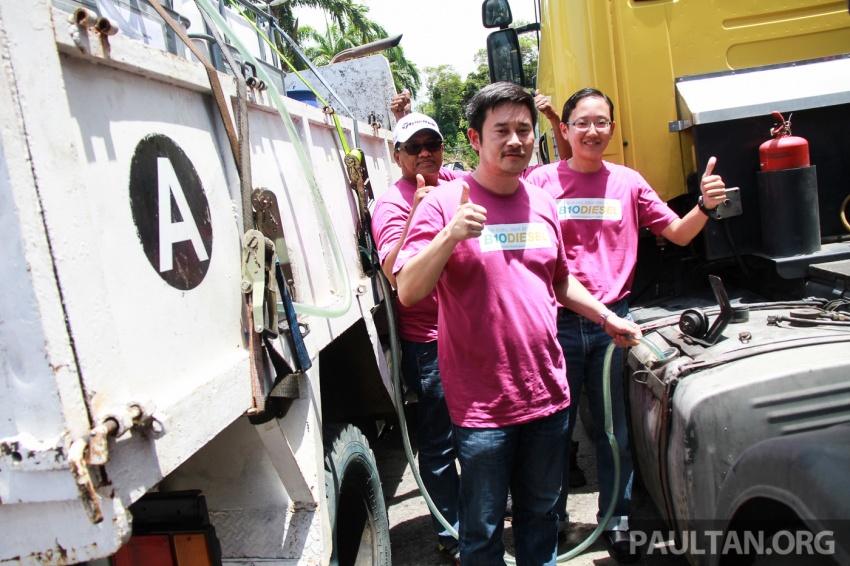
(342,13)
(405,73)
(347,25)
(321,47)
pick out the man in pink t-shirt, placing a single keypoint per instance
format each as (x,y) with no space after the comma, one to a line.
(418,151)
(601,206)
(491,246)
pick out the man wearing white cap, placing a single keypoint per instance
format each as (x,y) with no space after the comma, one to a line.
(418,147)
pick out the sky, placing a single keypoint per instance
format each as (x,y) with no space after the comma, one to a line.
(435,32)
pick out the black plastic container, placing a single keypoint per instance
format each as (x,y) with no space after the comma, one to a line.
(788,203)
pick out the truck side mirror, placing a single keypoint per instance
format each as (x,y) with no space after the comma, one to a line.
(504,57)
(496,14)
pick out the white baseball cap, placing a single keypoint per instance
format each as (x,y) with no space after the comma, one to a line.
(411,125)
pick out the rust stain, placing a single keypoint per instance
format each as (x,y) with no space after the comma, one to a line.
(80,471)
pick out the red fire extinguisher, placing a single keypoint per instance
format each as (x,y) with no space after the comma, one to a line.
(784,151)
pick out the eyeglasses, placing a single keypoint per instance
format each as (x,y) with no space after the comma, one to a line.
(583,125)
(416,148)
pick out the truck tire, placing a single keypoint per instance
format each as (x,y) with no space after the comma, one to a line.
(356,506)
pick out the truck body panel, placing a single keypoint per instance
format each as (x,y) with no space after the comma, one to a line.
(634,52)
(122,229)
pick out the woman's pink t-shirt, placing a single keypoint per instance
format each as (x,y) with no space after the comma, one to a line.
(600,215)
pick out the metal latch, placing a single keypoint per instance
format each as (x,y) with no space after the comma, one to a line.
(679,125)
(95,451)
(258,260)
(116,424)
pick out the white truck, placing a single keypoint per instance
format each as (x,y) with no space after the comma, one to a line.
(170,391)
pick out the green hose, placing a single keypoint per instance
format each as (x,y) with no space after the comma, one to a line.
(615,449)
(395,348)
(609,429)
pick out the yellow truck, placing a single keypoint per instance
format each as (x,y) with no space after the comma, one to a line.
(740,426)
(695,79)
(639,52)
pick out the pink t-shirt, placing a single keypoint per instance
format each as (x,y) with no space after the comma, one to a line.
(600,215)
(499,355)
(419,322)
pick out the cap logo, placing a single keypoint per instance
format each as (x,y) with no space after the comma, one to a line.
(413,123)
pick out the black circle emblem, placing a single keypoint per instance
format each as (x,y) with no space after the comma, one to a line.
(171,212)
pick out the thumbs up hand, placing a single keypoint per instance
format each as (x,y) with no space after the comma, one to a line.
(712,186)
(469,219)
(421,191)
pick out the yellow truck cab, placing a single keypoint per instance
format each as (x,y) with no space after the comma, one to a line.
(691,80)
(638,53)
(742,408)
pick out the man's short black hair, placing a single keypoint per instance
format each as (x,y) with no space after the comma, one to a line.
(589,92)
(492,96)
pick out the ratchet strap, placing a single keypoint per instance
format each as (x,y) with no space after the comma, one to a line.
(358,175)
(244,158)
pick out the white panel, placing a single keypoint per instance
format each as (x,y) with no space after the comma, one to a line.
(744,94)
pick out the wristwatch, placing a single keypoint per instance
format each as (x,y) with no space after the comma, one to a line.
(603,316)
(702,208)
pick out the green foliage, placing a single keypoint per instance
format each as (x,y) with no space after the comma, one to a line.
(347,25)
(528,47)
(346,15)
(321,47)
(446,104)
(343,13)
(445,89)
(405,72)
(448,94)
(477,79)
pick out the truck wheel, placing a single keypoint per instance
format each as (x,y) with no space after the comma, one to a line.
(358,513)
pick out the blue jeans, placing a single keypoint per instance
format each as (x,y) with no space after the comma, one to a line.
(520,458)
(584,343)
(435,440)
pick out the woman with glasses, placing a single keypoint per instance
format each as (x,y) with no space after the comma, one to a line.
(601,207)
